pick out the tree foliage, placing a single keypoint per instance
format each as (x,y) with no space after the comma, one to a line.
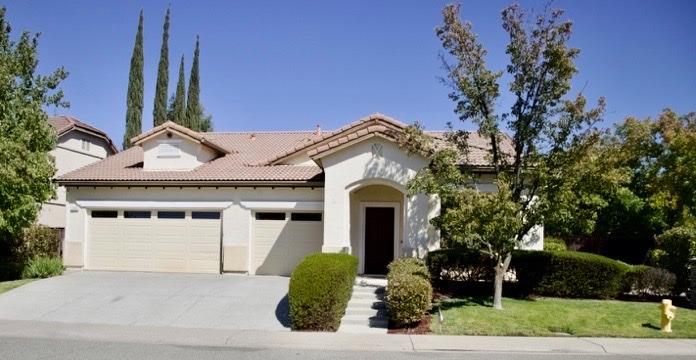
(177,103)
(159,111)
(25,135)
(196,118)
(544,124)
(134,100)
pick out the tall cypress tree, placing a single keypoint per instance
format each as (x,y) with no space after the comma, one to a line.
(134,111)
(193,106)
(159,112)
(179,104)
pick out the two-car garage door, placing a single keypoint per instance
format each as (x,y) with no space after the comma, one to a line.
(166,241)
(190,241)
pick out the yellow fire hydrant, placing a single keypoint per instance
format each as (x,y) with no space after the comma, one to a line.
(667,312)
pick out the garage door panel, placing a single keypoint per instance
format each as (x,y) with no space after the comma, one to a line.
(152,244)
(279,245)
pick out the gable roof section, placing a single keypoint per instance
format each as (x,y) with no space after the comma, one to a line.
(172,127)
(256,156)
(63,124)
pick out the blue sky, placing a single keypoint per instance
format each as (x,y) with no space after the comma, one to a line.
(294,64)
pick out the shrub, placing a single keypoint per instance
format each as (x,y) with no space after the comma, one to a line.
(646,280)
(674,249)
(409,292)
(459,265)
(320,287)
(10,271)
(409,265)
(554,244)
(37,240)
(43,267)
(569,274)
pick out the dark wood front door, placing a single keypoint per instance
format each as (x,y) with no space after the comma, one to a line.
(379,239)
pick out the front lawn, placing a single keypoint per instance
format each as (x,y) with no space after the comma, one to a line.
(553,317)
(9,285)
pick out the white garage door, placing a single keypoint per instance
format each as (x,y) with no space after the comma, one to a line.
(282,239)
(166,241)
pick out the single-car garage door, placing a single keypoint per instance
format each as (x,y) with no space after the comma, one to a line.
(282,239)
(166,241)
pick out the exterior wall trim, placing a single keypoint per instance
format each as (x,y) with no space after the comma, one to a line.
(397,213)
(298,205)
(125,204)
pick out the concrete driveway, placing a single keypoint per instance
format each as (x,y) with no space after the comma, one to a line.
(153,299)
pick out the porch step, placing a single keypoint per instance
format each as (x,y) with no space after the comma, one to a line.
(366,311)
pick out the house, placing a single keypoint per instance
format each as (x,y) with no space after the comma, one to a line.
(254,202)
(78,144)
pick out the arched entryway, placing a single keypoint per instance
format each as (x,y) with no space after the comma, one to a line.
(376,225)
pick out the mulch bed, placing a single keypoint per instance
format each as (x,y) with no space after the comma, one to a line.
(423,327)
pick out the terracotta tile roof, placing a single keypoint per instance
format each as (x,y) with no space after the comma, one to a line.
(64,123)
(255,156)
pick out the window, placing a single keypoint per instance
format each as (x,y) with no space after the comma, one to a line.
(85,144)
(305,216)
(104,213)
(168,149)
(270,216)
(136,214)
(171,214)
(205,215)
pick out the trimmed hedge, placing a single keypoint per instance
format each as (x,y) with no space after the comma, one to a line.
(549,273)
(646,280)
(554,244)
(320,287)
(43,267)
(409,292)
(569,274)
(459,265)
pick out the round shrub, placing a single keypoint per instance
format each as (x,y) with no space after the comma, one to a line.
(319,290)
(459,265)
(43,267)
(409,292)
(674,249)
(554,244)
(569,274)
(647,280)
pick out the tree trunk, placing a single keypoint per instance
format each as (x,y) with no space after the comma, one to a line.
(500,270)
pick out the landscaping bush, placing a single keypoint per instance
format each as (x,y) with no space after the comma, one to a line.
(409,292)
(43,267)
(459,265)
(320,287)
(10,271)
(647,280)
(569,274)
(674,249)
(554,244)
(37,240)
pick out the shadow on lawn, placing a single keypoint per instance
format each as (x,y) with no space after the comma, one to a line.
(485,301)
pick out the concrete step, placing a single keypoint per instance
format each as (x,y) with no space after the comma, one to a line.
(361,329)
(366,295)
(366,312)
(373,321)
(366,304)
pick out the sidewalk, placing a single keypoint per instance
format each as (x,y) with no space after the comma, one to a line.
(345,342)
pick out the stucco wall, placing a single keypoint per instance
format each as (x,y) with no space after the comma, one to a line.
(355,166)
(236,216)
(372,193)
(68,156)
(191,154)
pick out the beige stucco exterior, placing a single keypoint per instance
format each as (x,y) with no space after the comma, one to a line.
(192,154)
(69,155)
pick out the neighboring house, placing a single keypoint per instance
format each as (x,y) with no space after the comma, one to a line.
(77,145)
(254,202)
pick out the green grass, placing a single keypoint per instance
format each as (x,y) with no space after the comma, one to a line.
(551,317)
(9,285)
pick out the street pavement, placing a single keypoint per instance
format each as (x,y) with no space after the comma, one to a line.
(25,339)
(59,349)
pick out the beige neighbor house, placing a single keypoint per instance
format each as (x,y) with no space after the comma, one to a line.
(254,202)
(78,144)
